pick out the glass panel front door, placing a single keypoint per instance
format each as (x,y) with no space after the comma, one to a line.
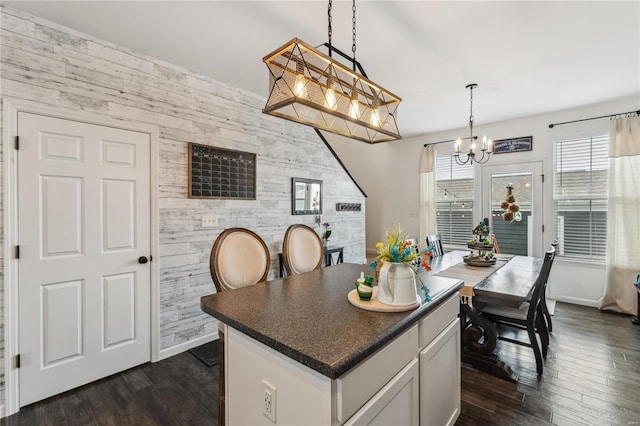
(512,204)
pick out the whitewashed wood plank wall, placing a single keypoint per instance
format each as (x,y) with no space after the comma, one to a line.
(57,66)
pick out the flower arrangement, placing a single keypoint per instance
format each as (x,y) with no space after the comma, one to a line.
(327,231)
(398,249)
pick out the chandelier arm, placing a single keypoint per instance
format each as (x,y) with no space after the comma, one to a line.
(459,161)
(487,159)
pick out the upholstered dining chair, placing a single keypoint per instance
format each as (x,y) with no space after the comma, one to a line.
(239,258)
(302,250)
(435,242)
(528,316)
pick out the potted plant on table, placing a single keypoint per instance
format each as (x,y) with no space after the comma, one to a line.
(398,249)
(326,233)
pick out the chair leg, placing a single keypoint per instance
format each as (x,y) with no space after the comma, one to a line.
(536,349)
(547,315)
(541,327)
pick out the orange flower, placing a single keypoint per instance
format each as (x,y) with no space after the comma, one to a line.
(425,265)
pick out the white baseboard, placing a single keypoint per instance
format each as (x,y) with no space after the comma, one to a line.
(183,347)
(577,301)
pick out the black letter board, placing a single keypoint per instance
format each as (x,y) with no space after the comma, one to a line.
(221,173)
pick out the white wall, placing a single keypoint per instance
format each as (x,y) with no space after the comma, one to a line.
(58,67)
(389,174)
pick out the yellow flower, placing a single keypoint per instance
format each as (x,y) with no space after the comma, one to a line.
(379,245)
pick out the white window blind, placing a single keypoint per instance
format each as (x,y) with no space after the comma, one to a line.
(454,205)
(580,197)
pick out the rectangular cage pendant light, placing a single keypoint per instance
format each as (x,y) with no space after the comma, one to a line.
(309,87)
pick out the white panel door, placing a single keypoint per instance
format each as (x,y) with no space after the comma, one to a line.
(84,214)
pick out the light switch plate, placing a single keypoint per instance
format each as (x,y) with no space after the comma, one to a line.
(209,221)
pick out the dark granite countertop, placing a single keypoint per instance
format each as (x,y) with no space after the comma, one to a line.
(309,319)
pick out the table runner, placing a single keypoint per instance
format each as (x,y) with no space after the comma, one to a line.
(473,275)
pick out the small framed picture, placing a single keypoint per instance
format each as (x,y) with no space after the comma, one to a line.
(524,143)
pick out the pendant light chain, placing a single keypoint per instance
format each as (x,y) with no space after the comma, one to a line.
(471,115)
(330,30)
(353,31)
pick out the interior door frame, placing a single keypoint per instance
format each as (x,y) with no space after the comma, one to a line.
(11,108)
(536,166)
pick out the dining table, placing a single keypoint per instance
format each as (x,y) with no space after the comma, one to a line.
(509,282)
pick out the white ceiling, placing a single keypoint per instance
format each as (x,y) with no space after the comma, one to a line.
(526,57)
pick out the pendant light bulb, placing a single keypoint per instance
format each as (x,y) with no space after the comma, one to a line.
(330,99)
(375,117)
(354,108)
(300,86)
(375,114)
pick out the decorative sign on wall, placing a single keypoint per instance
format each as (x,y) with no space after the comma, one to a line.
(524,143)
(221,173)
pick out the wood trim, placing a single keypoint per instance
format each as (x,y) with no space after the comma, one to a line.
(321,136)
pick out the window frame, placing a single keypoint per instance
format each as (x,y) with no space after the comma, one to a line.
(596,255)
(448,237)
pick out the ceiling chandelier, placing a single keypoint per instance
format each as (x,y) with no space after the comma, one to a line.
(487,145)
(311,88)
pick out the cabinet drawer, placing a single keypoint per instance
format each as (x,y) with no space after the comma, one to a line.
(396,404)
(358,385)
(438,320)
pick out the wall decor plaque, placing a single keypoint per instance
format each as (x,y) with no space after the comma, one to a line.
(221,173)
(524,143)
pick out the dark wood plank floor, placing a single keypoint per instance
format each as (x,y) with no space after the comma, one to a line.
(591,377)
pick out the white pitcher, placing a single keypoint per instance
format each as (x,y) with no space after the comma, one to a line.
(396,284)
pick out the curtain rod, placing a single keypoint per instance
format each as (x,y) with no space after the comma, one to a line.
(450,140)
(593,118)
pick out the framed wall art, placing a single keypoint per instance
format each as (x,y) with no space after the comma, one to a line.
(221,173)
(524,143)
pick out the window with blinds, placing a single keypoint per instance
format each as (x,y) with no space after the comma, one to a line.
(580,197)
(454,201)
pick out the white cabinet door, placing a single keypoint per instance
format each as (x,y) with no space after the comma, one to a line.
(440,378)
(395,404)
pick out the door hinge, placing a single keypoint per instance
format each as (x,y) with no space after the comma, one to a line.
(542,177)
(542,228)
(17,143)
(17,252)
(16,361)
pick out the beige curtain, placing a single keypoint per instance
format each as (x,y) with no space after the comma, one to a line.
(623,217)
(427,210)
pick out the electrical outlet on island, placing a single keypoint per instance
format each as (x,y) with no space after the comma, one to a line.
(269,407)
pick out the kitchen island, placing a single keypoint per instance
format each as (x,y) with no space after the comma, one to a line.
(297,352)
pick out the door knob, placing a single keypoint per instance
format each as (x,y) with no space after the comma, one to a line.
(143,259)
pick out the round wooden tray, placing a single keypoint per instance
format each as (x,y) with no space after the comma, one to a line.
(475,261)
(375,305)
(480,246)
